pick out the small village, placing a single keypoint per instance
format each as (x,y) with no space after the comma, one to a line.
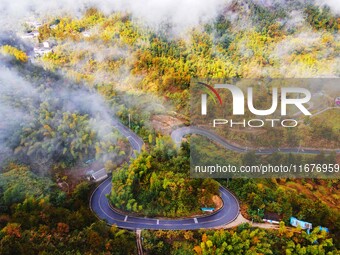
(31,35)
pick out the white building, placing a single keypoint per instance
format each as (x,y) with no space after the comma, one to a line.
(97,176)
(34,24)
(27,36)
(30,35)
(86,34)
(42,48)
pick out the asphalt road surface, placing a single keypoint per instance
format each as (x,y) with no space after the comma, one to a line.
(178,134)
(99,203)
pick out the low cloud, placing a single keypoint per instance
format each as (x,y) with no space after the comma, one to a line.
(181,14)
(22,98)
(333,4)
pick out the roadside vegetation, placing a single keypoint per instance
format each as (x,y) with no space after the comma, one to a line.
(241,240)
(36,217)
(157,183)
(105,65)
(114,54)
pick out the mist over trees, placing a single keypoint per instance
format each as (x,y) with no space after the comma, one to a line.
(131,60)
(48,120)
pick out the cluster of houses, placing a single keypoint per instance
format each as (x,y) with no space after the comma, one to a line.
(32,34)
(40,48)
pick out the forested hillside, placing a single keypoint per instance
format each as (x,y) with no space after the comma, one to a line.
(69,75)
(157,184)
(58,122)
(261,42)
(38,218)
(242,240)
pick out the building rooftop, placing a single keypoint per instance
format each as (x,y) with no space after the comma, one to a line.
(98,175)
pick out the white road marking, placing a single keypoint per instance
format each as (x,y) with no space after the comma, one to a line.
(151,224)
(136,143)
(226,200)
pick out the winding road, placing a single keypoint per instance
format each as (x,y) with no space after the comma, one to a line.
(178,134)
(99,203)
